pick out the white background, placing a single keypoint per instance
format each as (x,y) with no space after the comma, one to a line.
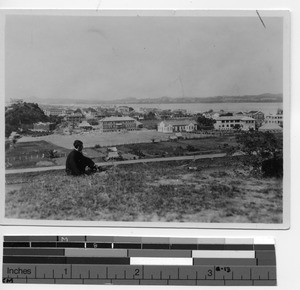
(287,241)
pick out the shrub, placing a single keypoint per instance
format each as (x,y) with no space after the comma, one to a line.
(260,147)
(272,167)
(191,148)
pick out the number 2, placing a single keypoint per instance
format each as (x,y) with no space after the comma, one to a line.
(136,272)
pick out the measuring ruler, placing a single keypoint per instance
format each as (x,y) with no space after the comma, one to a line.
(138,260)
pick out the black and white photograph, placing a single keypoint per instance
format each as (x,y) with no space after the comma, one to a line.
(147,118)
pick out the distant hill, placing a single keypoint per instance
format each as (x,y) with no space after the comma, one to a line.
(262,98)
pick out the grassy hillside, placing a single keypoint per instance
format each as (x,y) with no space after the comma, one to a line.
(201,191)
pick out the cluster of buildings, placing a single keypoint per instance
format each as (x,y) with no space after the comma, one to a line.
(88,113)
(250,120)
(228,121)
(111,119)
(124,118)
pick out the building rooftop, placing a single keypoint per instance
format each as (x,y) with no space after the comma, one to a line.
(270,127)
(179,122)
(273,115)
(254,112)
(117,119)
(242,118)
(84,124)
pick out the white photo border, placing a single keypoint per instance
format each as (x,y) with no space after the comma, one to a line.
(165,13)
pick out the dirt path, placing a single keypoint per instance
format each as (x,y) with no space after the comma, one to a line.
(178,158)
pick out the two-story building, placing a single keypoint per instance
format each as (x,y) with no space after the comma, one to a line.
(234,122)
(75,118)
(171,126)
(274,119)
(115,124)
(84,125)
(258,116)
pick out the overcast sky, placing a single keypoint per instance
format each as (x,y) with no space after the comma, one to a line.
(105,58)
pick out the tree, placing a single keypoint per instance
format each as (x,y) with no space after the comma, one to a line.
(93,122)
(78,110)
(20,115)
(150,116)
(226,115)
(205,123)
(237,127)
(260,147)
(190,148)
(56,119)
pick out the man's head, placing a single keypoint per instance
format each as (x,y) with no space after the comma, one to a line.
(78,145)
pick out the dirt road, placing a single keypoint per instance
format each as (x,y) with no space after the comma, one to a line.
(178,158)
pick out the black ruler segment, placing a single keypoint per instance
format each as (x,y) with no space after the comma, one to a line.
(121,260)
(98,245)
(127,246)
(33,252)
(44,244)
(156,246)
(239,247)
(210,247)
(16,244)
(183,246)
(34,259)
(264,247)
(70,245)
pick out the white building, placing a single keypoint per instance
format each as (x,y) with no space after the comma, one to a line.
(85,125)
(115,124)
(233,122)
(274,119)
(177,126)
(270,127)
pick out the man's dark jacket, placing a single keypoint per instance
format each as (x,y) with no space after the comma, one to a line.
(77,162)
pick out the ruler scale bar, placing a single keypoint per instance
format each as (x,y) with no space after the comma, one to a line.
(138,260)
(181,272)
(137,245)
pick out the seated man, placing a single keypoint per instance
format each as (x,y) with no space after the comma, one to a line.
(77,162)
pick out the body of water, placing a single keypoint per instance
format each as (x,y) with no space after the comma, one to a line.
(266,108)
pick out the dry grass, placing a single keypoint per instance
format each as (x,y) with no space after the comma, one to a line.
(166,191)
